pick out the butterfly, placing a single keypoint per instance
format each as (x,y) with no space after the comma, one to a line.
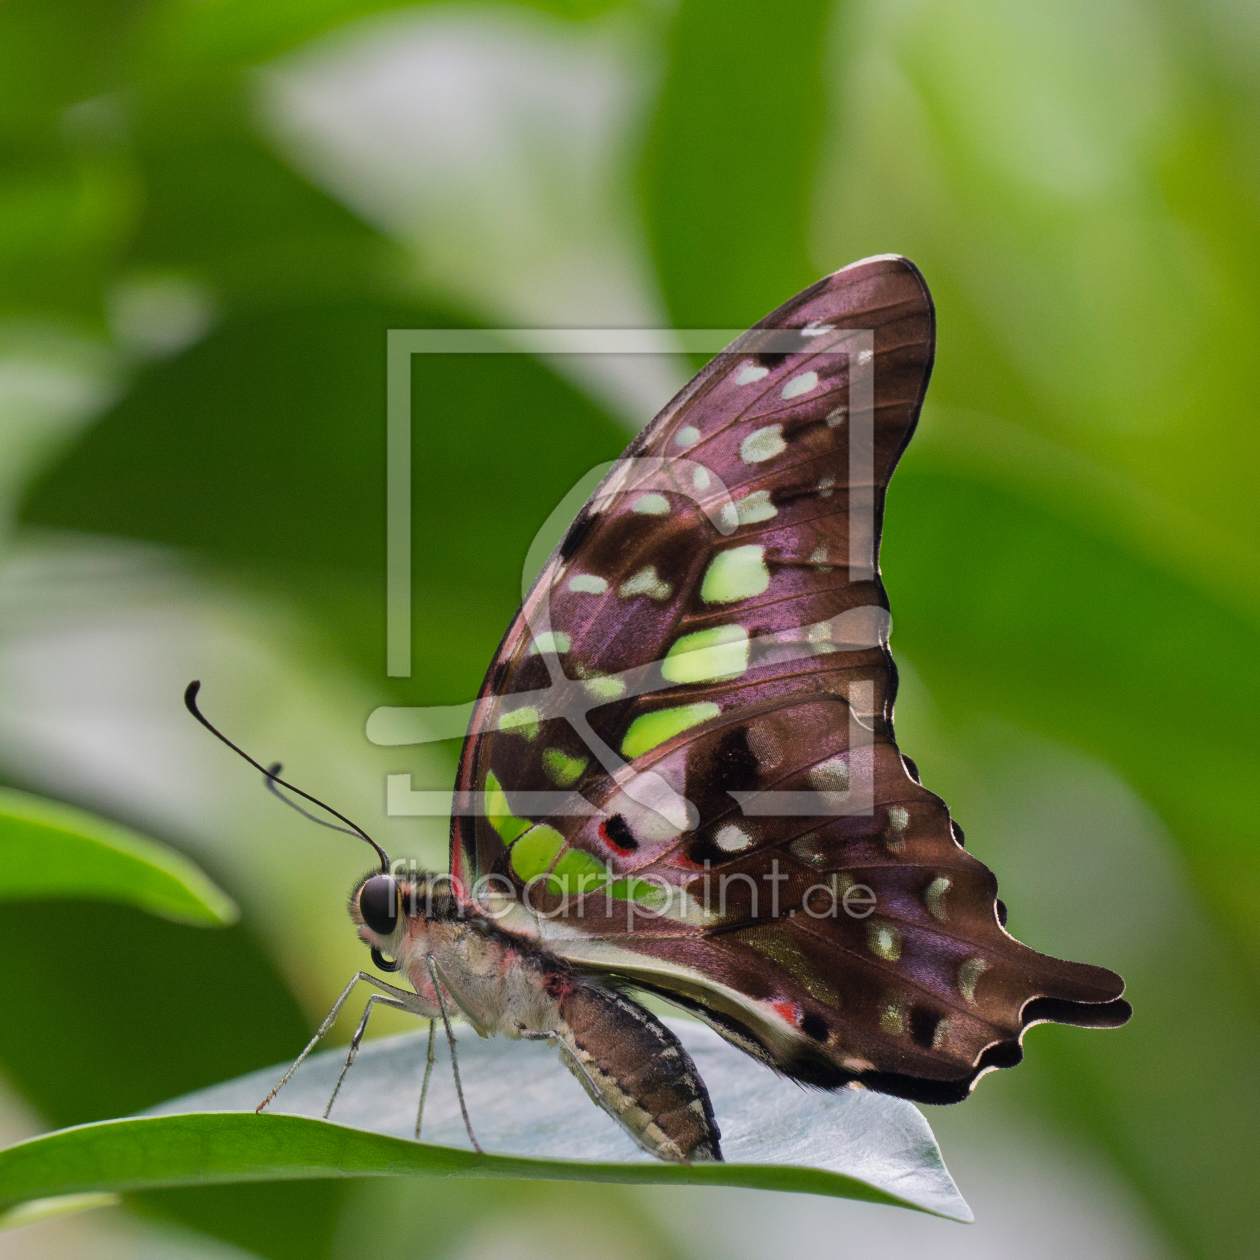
(681,776)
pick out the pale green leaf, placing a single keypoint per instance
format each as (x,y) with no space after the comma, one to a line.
(36,1210)
(50,850)
(530,1115)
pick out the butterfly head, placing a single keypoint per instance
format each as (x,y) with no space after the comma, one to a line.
(395,914)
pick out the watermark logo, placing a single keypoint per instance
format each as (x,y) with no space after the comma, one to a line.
(573,699)
(550,897)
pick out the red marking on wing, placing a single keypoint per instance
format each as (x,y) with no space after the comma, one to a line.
(683,862)
(791,1011)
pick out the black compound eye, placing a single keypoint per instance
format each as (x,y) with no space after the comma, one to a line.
(378,904)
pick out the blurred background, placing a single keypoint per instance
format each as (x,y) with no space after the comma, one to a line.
(211,211)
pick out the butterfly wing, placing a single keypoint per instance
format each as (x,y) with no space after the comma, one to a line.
(681,771)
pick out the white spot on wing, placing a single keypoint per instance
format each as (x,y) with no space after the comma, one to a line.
(884,940)
(686,436)
(799,385)
(830,776)
(587,584)
(755,507)
(732,839)
(653,810)
(763,739)
(651,505)
(700,478)
(969,973)
(646,582)
(894,835)
(892,1019)
(749,510)
(749,374)
(762,445)
(934,898)
(551,641)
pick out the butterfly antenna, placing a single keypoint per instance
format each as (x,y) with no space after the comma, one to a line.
(272,776)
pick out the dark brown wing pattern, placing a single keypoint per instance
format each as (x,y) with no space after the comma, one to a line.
(700,684)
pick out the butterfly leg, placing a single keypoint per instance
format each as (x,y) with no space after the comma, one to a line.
(424,1089)
(450,1037)
(410,1001)
(357,1040)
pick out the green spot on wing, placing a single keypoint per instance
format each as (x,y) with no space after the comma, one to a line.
(602,687)
(577,872)
(500,814)
(651,505)
(707,655)
(734,574)
(551,641)
(535,850)
(522,721)
(649,895)
(562,769)
(650,729)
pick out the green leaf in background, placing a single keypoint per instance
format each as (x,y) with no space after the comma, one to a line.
(158,1009)
(50,850)
(976,605)
(776,1136)
(296,501)
(730,163)
(224,33)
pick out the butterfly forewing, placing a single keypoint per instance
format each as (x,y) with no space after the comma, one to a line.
(699,685)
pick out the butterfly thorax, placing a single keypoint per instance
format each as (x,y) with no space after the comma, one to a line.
(630,1063)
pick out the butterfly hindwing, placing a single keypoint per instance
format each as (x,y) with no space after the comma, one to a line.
(711,630)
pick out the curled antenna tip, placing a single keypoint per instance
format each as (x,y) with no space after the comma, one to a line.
(272,776)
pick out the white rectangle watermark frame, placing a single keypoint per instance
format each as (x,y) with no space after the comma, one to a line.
(395,726)
(402,343)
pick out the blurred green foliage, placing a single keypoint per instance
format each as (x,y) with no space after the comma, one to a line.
(731,156)
(1070,544)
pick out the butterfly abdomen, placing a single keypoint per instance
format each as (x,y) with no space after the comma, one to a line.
(640,1072)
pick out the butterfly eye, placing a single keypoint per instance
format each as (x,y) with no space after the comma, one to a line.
(378,904)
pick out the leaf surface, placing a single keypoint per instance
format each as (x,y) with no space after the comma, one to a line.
(527,1111)
(50,850)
